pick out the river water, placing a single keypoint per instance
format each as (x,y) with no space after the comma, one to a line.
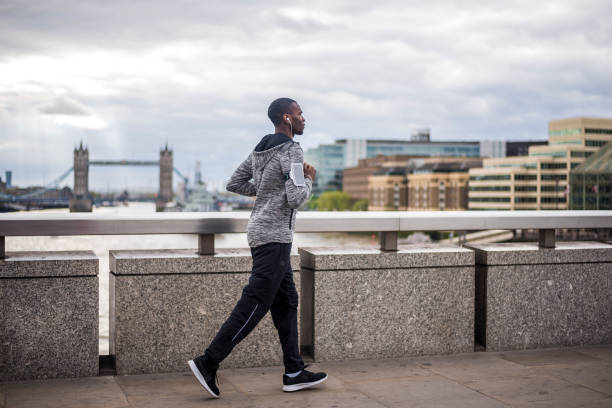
(101,244)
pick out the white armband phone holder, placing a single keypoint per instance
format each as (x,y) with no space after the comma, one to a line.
(296,174)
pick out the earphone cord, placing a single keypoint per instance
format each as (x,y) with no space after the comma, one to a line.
(291,126)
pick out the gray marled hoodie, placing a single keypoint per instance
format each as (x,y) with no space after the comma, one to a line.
(264,174)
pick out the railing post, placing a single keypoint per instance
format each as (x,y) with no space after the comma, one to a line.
(206,244)
(388,240)
(2,251)
(546,238)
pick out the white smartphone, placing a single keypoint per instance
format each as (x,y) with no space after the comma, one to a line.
(297,174)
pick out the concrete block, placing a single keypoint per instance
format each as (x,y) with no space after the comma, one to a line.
(361,303)
(48,315)
(167,305)
(530,297)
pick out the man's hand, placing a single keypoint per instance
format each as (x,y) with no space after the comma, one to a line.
(310,171)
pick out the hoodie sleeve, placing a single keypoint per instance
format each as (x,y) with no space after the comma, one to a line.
(296,196)
(240,182)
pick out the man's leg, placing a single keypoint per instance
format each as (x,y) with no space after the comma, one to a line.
(284,315)
(269,266)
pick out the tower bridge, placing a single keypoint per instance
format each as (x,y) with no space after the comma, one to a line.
(82,202)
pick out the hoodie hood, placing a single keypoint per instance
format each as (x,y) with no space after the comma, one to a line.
(266,149)
(272,140)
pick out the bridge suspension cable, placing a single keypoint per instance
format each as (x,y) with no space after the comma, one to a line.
(49,186)
(178,173)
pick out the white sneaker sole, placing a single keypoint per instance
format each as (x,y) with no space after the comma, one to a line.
(301,386)
(198,375)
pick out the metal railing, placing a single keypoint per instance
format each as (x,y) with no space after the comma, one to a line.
(388,224)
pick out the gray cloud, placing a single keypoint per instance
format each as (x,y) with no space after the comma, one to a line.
(64,106)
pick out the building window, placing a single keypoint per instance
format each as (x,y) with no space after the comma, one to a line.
(490,199)
(525,188)
(554,165)
(553,188)
(563,132)
(595,143)
(580,154)
(525,199)
(497,177)
(553,177)
(525,177)
(490,188)
(598,131)
(553,200)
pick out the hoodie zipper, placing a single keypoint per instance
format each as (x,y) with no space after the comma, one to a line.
(290,219)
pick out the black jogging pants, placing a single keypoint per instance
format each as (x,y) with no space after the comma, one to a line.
(270,287)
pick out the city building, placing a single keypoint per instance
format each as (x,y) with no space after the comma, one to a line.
(421,184)
(521,148)
(9,178)
(331,159)
(538,181)
(591,182)
(355,179)
(503,148)
(388,189)
(440,185)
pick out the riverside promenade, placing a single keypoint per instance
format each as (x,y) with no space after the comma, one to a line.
(567,377)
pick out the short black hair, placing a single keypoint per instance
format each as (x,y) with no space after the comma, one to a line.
(278,108)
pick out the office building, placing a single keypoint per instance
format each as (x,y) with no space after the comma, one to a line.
(355,179)
(539,181)
(440,185)
(331,159)
(422,184)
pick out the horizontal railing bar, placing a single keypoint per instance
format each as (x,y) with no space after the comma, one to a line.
(28,224)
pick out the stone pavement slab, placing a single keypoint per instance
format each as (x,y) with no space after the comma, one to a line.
(602,352)
(433,391)
(570,377)
(533,358)
(90,392)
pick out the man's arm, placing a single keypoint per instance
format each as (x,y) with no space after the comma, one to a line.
(240,182)
(296,195)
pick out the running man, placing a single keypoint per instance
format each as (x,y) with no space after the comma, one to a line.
(275,173)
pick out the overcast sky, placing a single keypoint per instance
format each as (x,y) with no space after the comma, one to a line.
(125,77)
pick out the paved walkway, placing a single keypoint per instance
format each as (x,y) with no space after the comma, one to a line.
(570,377)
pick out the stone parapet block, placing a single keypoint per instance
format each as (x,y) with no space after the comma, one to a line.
(534,298)
(183,261)
(524,253)
(407,256)
(167,305)
(38,264)
(360,304)
(49,315)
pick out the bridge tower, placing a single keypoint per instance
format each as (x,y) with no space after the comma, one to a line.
(165,179)
(81,202)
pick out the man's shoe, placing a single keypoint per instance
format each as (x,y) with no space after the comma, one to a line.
(206,378)
(303,380)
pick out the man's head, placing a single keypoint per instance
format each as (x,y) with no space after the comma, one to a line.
(287,117)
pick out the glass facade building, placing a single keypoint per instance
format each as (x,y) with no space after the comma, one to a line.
(331,159)
(591,182)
